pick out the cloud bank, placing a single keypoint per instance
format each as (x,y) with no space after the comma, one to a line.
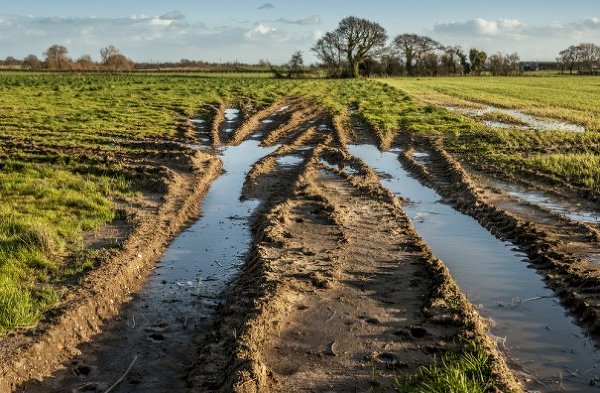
(170,36)
(536,42)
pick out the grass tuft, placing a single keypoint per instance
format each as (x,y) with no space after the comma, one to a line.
(468,371)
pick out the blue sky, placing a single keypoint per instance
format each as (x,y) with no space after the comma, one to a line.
(249,30)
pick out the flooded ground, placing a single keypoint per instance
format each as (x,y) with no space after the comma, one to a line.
(231,117)
(155,332)
(524,120)
(552,203)
(289,160)
(545,347)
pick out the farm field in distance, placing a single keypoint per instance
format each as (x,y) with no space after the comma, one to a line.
(474,199)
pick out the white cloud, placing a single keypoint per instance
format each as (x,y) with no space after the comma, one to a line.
(482,27)
(516,29)
(173,15)
(533,42)
(155,38)
(259,30)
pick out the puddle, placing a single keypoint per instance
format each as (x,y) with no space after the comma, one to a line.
(538,335)
(553,204)
(176,306)
(267,121)
(340,167)
(530,122)
(283,108)
(289,160)
(231,114)
(210,250)
(420,154)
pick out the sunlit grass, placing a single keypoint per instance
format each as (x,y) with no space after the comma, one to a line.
(468,371)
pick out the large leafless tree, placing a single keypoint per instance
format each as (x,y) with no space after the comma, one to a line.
(354,41)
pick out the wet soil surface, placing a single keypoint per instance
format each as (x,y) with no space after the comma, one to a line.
(306,271)
(362,294)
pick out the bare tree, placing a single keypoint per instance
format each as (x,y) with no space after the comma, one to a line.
(296,65)
(569,58)
(329,50)
(56,57)
(119,62)
(588,56)
(504,64)
(429,64)
(356,39)
(513,63)
(413,48)
(108,52)
(85,62)
(451,60)
(32,62)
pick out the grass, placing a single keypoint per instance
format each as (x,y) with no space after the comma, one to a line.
(468,371)
(502,117)
(45,210)
(568,156)
(569,98)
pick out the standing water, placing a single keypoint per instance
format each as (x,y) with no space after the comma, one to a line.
(155,334)
(544,345)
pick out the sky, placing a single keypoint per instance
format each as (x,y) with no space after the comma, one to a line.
(250,30)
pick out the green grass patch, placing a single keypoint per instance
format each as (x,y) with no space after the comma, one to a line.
(469,371)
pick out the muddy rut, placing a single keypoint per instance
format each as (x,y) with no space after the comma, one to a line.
(304,272)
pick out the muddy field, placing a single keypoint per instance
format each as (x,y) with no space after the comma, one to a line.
(319,263)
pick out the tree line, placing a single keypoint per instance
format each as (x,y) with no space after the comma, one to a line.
(583,58)
(360,47)
(57,58)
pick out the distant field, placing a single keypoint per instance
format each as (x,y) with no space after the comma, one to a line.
(568,156)
(570,98)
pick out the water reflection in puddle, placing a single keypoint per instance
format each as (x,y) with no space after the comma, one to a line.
(209,250)
(539,336)
(231,114)
(340,167)
(555,205)
(529,122)
(289,160)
